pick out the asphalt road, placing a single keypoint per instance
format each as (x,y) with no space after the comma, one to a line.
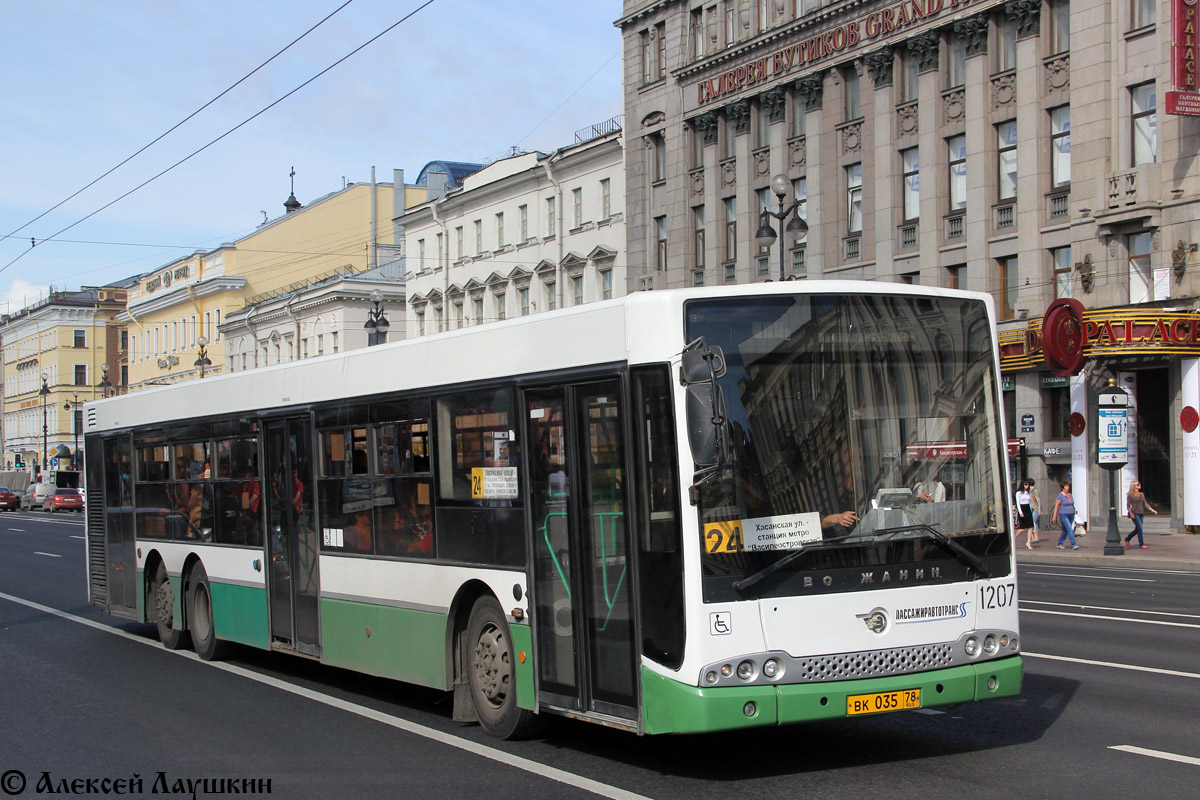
(1109,709)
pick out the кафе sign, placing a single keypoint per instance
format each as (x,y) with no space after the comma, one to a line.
(879,23)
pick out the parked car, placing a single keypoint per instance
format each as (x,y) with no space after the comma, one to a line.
(9,500)
(29,498)
(63,500)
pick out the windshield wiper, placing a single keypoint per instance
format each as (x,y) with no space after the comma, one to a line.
(770,569)
(961,553)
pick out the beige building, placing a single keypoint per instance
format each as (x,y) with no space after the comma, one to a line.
(179,309)
(529,233)
(58,354)
(1017,147)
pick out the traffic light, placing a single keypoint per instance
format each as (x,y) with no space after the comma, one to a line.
(19,463)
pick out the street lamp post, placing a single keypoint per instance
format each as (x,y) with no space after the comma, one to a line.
(44,392)
(796,228)
(71,407)
(377,322)
(202,361)
(104,386)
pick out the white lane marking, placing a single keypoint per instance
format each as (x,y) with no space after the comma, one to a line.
(1145,570)
(1132,667)
(528,765)
(1109,608)
(73,536)
(1114,619)
(1142,751)
(51,555)
(1092,577)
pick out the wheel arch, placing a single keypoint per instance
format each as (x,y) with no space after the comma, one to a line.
(149,567)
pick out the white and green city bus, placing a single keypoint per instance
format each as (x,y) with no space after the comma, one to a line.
(678,511)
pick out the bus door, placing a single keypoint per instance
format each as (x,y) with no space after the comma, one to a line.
(582,600)
(293,582)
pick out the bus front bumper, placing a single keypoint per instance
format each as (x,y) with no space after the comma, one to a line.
(672,707)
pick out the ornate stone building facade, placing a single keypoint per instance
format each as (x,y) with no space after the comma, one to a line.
(1016,147)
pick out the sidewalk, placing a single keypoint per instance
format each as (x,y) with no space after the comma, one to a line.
(1170,547)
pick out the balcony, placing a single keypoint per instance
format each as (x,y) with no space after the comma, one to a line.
(1131,195)
(907,236)
(1058,205)
(1004,215)
(853,248)
(956,226)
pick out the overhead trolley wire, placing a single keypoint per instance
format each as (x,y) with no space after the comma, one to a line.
(241,124)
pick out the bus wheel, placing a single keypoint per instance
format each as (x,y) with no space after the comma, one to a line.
(162,611)
(204,634)
(491,675)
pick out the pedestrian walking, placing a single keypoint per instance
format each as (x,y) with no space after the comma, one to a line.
(1037,508)
(1064,512)
(1137,509)
(1025,501)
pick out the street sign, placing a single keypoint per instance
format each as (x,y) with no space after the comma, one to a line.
(1112,430)
(54,463)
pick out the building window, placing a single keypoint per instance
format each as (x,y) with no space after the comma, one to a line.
(730,22)
(577,205)
(550,216)
(551,295)
(1060,26)
(458,241)
(1141,288)
(956,147)
(762,128)
(954,276)
(1060,257)
(421,255)
(854,197)
(799,116)
(731,273)
(440,251)
(523,300)
(850,81)
(523,218)
(908,76)
(458,314)
(1144,123)
(500,312)
(478,237)
(911,165)
(1060,145)
(420,332)
(1142,13)
(606,284)
(1006,158)
(660,236)
(653,52)
(658,158)
(577,290)
(477,307)
(956,63)
(730,228)
(696,34)
(698,237)
(1006,43)
(81,378)
(606,198)
(80,338)
(697,277)
(1008,286)
(500,230)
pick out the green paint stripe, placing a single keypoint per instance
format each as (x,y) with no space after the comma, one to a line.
(397,643)
(240,614)
(672,707)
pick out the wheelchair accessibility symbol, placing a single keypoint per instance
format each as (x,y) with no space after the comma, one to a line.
(720,623)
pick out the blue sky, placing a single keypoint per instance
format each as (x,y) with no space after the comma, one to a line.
(89,82)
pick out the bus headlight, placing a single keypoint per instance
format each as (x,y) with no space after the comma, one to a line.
(747,670)
(771,669)
(989,644)
(711,676)
(971,646)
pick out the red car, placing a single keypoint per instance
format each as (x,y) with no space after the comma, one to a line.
(63,500)
(9,500)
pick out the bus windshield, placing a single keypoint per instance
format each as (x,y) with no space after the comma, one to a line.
(863,429)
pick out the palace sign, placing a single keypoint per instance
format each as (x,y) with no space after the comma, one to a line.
(1108,332)
(1184,52)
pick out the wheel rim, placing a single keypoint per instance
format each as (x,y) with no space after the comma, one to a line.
(164,603)
(202,625)
(493,672)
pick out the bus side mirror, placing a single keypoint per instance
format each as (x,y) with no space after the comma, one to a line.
(701,363)
(706,424)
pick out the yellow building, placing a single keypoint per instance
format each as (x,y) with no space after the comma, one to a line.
(58,354)
(175,313)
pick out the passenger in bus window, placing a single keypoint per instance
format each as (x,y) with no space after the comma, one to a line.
(358,535)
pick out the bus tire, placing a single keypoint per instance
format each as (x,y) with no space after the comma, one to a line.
(161,602)
(492,676)
(204,633)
